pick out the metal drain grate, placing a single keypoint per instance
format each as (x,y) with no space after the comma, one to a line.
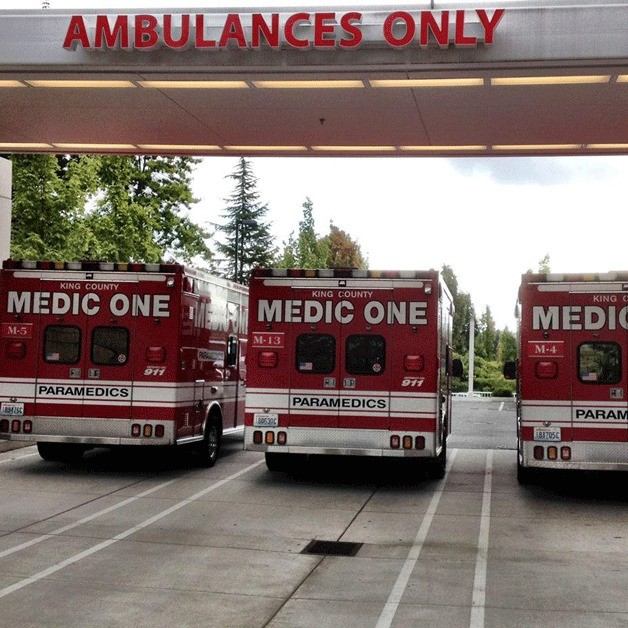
(332,548)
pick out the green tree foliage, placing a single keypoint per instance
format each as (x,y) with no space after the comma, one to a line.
(487,377)
(118,208)
(141,214)
(486,336)
(248,240)
(544,264)
(305,250)
(343,251)
(506,346)
(49,197)
(463,311)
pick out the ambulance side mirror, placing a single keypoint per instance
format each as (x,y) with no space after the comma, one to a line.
(232,351)
(457,369)
(510,370)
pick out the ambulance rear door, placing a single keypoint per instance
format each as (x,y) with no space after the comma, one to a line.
(365,365)
(86,362)
(547,364)
(314,337)
(599,378)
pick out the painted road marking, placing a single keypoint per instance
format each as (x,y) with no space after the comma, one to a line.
(123,535)
(392,604)
(478,604)
(80,522)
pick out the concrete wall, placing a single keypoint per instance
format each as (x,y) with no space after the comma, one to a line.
(5,208)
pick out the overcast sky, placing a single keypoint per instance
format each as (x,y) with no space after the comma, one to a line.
(490,219)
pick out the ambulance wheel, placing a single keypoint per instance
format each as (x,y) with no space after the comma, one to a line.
(60,452)
(525,475)
(278,462)
(210,447)
(437,467)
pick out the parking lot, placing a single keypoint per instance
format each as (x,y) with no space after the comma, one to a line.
(135,539)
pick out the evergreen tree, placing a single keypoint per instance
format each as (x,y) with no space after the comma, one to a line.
(544,264)
(506,346)
(463,311)
(486,340)
(305,250)
(248,241)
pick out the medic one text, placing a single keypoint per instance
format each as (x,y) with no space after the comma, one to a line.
(60,303)
(579,317)
(307,311)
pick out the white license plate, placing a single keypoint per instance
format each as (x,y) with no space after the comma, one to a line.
(266,420)
(547,434)
(11,409)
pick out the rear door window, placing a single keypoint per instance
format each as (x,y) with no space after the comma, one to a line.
(110,346)
(62,344)
(599,363)
(316,353)
(365,354)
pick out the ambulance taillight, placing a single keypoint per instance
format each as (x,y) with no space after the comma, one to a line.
(546,370)
(155,354)
(414,362)
(16,350)
(267,359)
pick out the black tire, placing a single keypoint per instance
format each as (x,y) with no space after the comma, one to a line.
(60,452)
(209,449)
(278,462)
(526,475)
(436,468)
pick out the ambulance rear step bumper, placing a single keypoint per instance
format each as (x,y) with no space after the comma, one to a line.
(341,442)
(90,431)
(584,456)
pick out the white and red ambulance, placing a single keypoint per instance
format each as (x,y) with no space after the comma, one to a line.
(349,362)
(572,373)
(102,354)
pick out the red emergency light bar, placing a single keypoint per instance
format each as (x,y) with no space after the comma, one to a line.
(12,264)
(341,273)
(613,275)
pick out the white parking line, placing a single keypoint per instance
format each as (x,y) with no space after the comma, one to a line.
(100,513)
(392,604)
(13,458)
(123,535)
(479,582)
(501,406)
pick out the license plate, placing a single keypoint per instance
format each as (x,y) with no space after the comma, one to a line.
(266,420)
(547,434)
(11,409)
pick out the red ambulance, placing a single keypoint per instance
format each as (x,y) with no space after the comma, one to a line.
(349,362)
(102,354)
(572,373)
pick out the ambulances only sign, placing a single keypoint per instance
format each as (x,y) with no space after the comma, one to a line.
(319,30)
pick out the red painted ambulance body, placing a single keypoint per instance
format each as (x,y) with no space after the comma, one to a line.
(97,354)
(573,373)
(349,362)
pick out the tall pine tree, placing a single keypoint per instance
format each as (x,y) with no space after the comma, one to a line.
(247,239)
(305,250)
